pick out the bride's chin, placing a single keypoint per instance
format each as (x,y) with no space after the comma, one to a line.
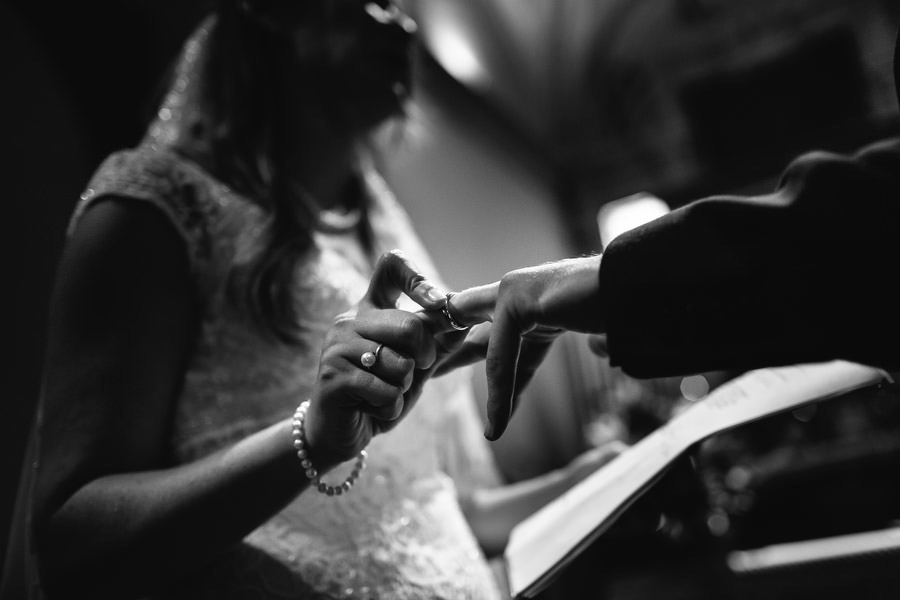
(368,114)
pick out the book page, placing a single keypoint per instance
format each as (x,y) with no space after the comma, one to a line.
(544,543)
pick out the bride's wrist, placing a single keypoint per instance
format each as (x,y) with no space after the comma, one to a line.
(315,461)
(309,449)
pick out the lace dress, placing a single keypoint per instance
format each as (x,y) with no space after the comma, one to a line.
(400,533)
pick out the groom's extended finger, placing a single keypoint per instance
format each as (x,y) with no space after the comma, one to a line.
(532,352)
(462,310)
(501,362)
(474,305)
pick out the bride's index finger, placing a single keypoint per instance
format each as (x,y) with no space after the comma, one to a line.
(395,275)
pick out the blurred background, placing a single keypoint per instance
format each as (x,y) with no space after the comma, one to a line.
(531,118)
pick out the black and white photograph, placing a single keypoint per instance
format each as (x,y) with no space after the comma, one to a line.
(451,300)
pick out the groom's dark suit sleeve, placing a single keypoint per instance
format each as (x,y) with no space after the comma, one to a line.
(804,274)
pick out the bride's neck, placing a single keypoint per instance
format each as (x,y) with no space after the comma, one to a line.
(324,176)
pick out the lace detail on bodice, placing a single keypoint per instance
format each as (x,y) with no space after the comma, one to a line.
(400,534)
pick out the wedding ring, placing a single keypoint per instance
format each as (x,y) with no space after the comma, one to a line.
(446,310)
(368,359)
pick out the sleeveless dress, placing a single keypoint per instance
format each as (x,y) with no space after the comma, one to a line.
(400,533)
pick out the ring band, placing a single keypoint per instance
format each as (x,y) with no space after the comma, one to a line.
(446,310)
(368,359)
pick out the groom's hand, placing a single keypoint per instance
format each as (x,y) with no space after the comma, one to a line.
(531,308)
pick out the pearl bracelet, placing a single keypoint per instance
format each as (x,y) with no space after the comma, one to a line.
(298,433)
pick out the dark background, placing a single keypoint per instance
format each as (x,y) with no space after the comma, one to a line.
(77,79)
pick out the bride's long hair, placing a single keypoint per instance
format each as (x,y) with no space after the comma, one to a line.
(250,152)
(250,155)
(232,129)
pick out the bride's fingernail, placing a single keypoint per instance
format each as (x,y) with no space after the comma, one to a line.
(435,294)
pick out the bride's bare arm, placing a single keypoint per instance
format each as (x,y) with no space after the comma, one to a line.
(111,510)
(114,516)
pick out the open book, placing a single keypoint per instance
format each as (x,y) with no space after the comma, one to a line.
(543,544)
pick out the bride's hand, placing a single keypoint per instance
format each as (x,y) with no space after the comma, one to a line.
(356,397)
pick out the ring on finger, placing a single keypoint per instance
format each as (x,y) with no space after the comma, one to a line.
(446,311)
(368,359)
